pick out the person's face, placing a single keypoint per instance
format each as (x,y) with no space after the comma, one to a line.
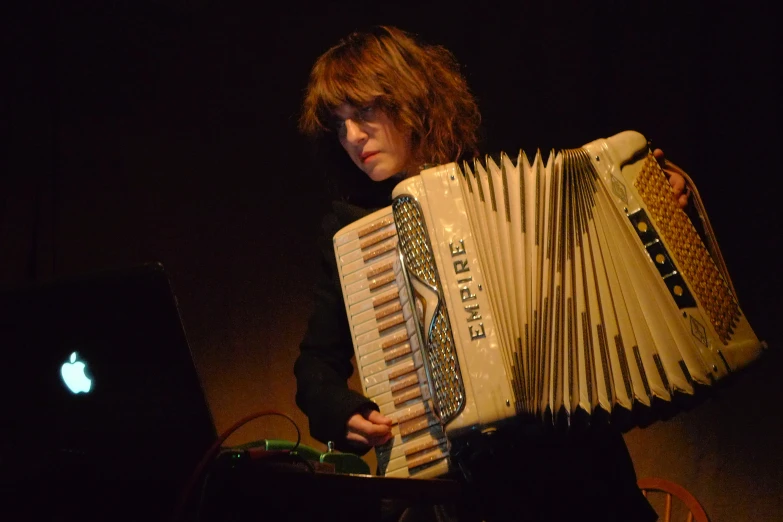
(373,141)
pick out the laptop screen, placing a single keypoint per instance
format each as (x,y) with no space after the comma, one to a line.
(98,383)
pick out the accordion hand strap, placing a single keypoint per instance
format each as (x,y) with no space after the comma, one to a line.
(709,235)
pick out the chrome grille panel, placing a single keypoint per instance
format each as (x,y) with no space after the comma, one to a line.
(442,365)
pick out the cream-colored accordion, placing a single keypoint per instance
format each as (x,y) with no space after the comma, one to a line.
(569,289)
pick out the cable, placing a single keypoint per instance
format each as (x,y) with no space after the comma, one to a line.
(209,455)
(202,496)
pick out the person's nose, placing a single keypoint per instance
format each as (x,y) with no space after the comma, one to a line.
(354,133)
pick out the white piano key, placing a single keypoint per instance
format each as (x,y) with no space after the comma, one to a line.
(374,315)
(360,233)
(375,372)
(377,237)
(365,256)
(407,413)
(407,464)
(425,457)
(434,471)
(378,342)
(368,272)
(428,440)
(407,398)
(416,424)
(386,355)
(378,367)
(387,333)
(381,325)
(400,391)
(368,293)
(372,283)
(403,367)
(374,301)
(392,385)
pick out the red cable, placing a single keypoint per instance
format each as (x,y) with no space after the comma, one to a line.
(212,451)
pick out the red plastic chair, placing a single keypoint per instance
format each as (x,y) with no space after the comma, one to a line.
(656,487)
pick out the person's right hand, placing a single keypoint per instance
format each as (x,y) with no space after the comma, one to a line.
(676,180)
(369,427)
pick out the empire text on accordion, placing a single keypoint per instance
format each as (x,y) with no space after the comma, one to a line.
(566,290)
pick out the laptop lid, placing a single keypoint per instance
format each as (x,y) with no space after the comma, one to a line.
(98,383)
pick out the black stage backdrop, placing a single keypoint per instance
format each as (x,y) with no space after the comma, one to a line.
(138,131)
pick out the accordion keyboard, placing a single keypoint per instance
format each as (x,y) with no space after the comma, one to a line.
(387,347)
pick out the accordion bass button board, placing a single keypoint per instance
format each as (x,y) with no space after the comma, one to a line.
(571,289)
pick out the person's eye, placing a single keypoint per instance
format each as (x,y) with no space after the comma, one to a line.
(337,125)
(367,113)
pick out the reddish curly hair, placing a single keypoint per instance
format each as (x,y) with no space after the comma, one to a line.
(418,85)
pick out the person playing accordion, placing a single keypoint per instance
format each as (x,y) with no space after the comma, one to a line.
(397,105)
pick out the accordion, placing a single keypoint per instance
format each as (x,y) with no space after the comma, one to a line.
(564,291)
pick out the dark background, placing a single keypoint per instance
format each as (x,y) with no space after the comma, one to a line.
(166,130)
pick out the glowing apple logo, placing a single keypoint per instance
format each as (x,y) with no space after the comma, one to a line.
(74,376)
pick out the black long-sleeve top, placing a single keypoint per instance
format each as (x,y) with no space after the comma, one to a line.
(324,364)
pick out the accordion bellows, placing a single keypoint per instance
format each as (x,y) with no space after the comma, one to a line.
(565,290)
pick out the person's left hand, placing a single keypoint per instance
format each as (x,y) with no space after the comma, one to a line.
(675,180)
(369,427)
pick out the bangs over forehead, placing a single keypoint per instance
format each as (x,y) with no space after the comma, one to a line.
(346,79)
(352,72)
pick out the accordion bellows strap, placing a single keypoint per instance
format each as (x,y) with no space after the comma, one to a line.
(568,291)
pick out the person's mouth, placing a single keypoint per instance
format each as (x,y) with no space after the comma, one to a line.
(367,155)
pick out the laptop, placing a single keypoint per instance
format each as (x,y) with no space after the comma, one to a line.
(101,405)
